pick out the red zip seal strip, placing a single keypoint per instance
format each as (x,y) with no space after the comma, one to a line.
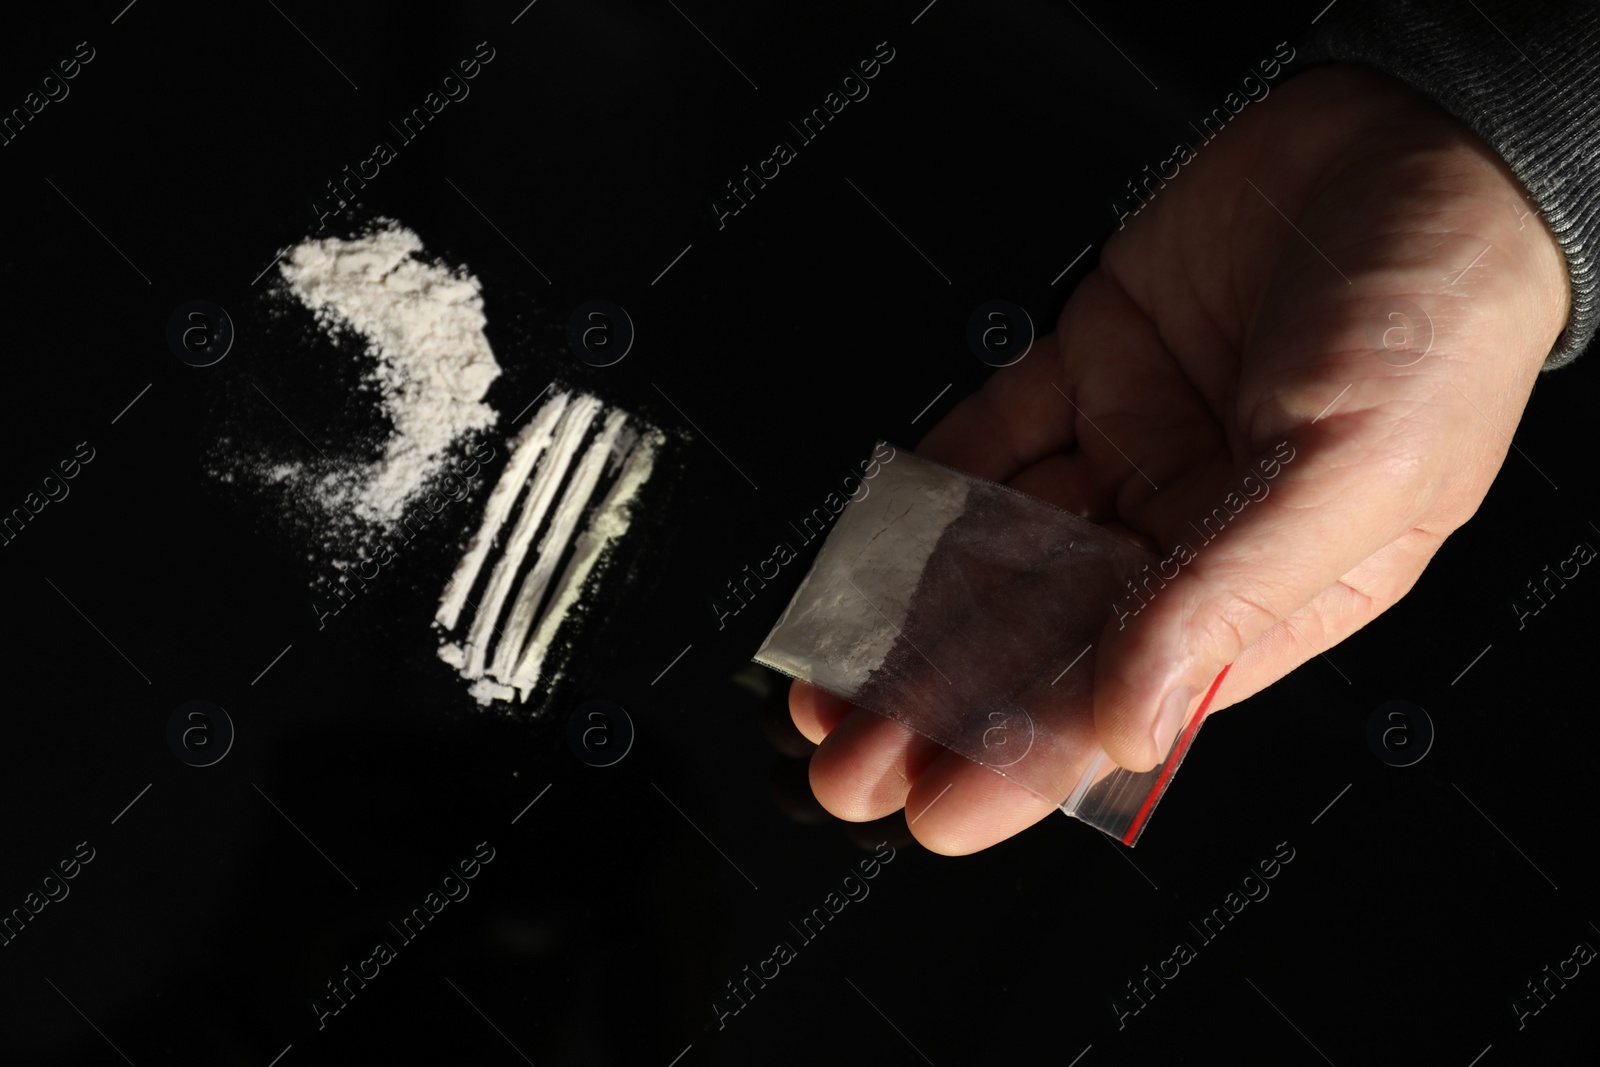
(1171,765)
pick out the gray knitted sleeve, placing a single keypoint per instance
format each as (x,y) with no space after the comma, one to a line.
(1524,74)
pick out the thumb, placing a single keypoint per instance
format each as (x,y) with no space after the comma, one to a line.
(1256,551)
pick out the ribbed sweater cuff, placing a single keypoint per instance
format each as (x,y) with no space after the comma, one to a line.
(1526,77)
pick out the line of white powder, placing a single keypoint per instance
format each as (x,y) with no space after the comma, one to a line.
(569,434)
(526,449)
(609,522)
(563,523)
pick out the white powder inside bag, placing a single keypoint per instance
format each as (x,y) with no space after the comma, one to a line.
(846,616)
(431,363)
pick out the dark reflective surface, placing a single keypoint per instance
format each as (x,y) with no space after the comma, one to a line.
(307,896)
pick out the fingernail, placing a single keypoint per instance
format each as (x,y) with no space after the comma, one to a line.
(1170,719)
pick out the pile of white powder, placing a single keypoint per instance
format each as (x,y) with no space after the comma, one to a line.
(430,362)
(564,499)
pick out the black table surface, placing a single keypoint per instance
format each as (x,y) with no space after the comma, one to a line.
(211,906)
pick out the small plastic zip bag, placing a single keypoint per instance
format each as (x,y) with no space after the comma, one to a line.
(969,612)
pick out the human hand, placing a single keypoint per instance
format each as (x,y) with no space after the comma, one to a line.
(1250,303)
